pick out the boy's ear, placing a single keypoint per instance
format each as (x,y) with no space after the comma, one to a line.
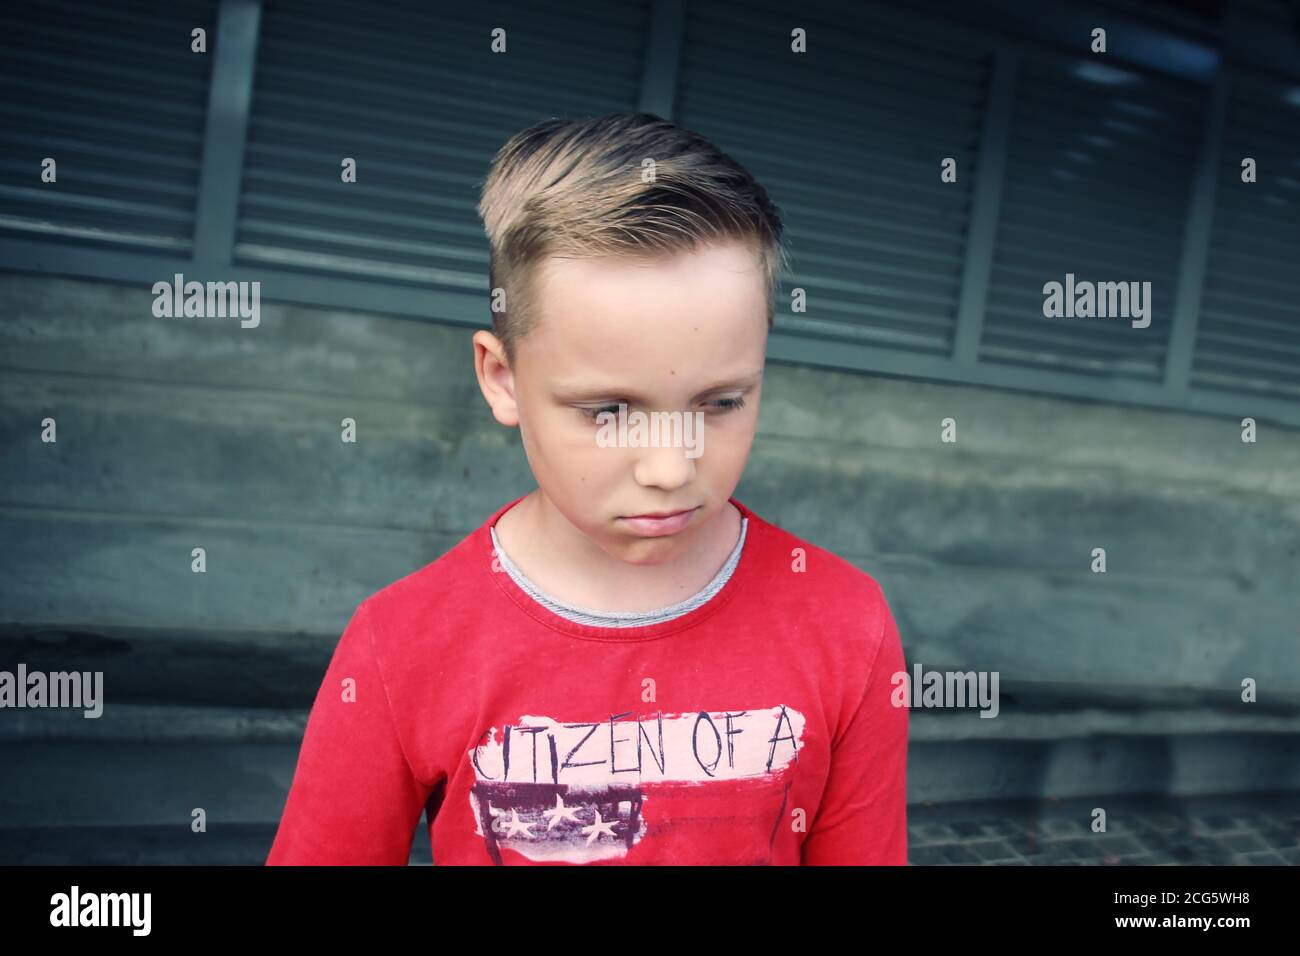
(495,379)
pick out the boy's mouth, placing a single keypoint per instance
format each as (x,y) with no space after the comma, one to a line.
(659,523)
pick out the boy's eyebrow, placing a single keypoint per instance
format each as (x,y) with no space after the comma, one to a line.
(579,393)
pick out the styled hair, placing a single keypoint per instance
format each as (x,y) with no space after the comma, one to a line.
(576,189)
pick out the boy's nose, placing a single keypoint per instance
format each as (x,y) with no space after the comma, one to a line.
(667,468)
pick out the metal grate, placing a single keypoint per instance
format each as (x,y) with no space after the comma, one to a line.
(114,94)
(1099,175)
(421,104)
(848,138)
(1248,336)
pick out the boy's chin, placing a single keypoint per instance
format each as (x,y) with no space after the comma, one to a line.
(634,549)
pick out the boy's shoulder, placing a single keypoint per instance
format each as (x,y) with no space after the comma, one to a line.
(451,577)
(402,616)
(825,572)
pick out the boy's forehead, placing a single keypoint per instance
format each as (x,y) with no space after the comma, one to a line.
(693,316)
(602,296)
(711,261)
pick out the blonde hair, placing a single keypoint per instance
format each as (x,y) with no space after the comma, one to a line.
(575,189)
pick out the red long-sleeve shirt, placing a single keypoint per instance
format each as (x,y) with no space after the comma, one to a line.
(755,729)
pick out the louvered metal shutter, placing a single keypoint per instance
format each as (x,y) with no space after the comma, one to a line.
(415,96)
(1098,179)
(112,93)
(1277,17)
(848,138)
(1249,332)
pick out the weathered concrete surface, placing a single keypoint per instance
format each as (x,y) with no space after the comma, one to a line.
(175,434)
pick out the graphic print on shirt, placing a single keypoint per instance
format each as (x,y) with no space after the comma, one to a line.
(579,792)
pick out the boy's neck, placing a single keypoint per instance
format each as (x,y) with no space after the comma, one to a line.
(567,565)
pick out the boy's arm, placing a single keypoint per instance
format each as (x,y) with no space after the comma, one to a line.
(862,819)
(354,799)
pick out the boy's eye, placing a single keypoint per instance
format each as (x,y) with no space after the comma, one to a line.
(595,413)
(722,405)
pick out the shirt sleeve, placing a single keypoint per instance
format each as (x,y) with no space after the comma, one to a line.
(354,799)
(862,819)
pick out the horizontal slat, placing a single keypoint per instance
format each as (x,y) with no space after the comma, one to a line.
(1244,385)
(1244,212)
(1281,370)
(1240,253)
(1265,290)
(1030,249)
(1017,353)
(878,327)
(729,27)
(1114,338)
(720,86)
(335,21)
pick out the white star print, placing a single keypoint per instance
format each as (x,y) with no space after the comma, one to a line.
(560,812)
(599,827)
(515,825)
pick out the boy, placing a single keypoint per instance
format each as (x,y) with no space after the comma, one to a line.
(626,665)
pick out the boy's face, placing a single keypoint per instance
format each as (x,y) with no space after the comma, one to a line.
(683,334)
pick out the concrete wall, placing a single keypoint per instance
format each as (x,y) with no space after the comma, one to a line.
(183,433)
